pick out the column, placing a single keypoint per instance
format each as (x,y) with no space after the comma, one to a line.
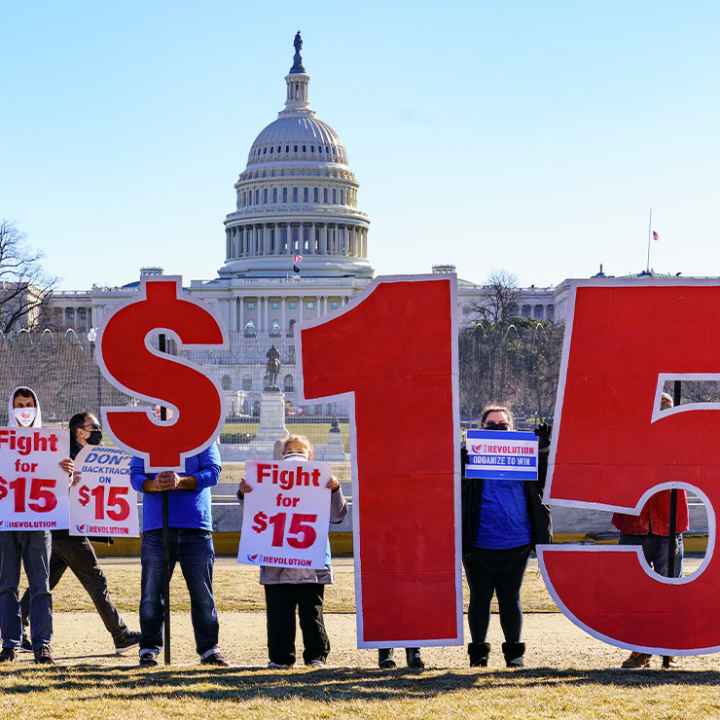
(267,314)
(283,315)
(311,239)
(323,239)
(266,234)
(302,311)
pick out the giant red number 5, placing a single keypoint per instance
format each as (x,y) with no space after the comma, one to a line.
(612,450)
(391,355)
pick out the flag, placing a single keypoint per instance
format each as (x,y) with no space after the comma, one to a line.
(655,235)
(297,259)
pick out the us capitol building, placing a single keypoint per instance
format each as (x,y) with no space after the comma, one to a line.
(296,207)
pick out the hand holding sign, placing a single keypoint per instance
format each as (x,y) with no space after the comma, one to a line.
(103,503)
(501,455)
(286,514)
(33,485)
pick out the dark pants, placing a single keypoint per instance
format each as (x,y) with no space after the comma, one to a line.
(281,601)
(655,550)
(500,572)
(194,550)
(78,554)
(33,550)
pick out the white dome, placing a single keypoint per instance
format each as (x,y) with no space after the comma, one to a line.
(296,197)
(297,136)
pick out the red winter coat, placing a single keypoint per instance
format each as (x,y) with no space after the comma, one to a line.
(655,516)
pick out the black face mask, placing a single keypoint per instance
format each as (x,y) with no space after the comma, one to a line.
(95,437)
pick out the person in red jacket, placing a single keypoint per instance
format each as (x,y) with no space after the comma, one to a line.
(651,531)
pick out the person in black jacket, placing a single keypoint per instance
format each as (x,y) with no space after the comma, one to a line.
(502,521)
(77,553)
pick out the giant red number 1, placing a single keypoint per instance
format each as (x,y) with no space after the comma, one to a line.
(391,354)
(612,450)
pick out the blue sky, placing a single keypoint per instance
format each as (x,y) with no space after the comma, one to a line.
(524,136)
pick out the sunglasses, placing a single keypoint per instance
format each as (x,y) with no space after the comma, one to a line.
(495,426)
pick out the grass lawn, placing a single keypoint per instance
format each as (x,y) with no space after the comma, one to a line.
(316,432)
(237,589)
(568,674)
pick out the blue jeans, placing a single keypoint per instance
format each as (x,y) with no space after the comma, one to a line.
(196,554)
(32,549)
(655,549)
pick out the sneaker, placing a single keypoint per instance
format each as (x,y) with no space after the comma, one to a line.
(636,661)
(147,659)
(126,641)
(25,644)
(215,659)
(43,656)
(278,666)
(669,662)
(7,655)
(317,662)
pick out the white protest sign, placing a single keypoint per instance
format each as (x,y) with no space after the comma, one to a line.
(33,486)
(103,503)
(502,455)
(286,517)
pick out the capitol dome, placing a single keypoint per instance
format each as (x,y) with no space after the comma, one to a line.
(300,137)
(297,197)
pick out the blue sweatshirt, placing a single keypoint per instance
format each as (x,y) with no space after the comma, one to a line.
(504,521)
(188,508)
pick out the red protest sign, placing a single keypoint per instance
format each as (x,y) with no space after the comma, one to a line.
(613,449)
(391,355)
(131,365)
(33,486)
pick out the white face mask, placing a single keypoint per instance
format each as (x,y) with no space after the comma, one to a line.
(25,416)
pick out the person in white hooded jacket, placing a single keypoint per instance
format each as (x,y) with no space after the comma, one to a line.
(32,549)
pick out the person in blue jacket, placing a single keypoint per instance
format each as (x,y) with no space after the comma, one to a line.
(191,543)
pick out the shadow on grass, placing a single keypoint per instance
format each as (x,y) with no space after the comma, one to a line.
(337,684)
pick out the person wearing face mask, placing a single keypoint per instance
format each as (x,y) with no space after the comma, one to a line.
(288,590)
(502,520)
(31,548)
(77,553)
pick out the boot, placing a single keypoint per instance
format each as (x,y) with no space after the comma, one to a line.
(513,653)
(479,653)
(636,661)
(413,658)
(385,659)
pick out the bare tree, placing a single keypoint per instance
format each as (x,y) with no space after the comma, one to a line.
(500,299)
(24,286)
(492,332)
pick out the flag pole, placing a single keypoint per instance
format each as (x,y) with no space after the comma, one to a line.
(649,239)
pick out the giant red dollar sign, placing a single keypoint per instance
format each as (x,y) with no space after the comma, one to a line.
(132,367)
